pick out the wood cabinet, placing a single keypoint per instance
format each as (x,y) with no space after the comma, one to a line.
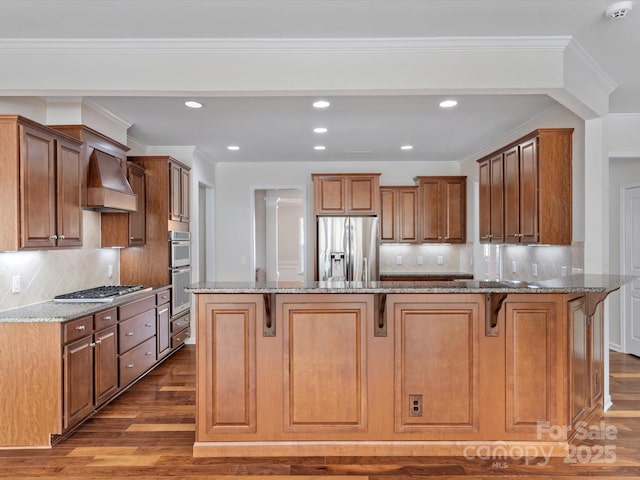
(179,188)
(150,265)
(346,194)
(127,229)
(586,363)
(491,211)
(90,361)
(398,214)
(442,209)
(163,316)
(526,190)
(137,342)
(40,186)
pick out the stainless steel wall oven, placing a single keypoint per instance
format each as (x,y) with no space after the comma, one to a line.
(179,266)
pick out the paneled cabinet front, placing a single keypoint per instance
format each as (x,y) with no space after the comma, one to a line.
(346,194)
(398,214)
(40,187)
(442,209)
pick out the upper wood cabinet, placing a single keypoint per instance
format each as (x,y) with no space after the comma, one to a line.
(346,194)
(442,205)
(128,229)
(398,214)
(525,190)
(178,192)
(40,186)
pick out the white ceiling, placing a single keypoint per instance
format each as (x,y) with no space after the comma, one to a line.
(279,128)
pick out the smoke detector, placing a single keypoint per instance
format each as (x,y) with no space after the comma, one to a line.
(618,10)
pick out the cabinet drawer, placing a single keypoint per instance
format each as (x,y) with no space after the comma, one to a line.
(136,330)
(163,297)
(105,319)
(179,323)
(137,361)
(136,307)
(77,329)
(178,339)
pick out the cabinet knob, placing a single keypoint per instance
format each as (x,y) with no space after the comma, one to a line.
(131,238)
(149,354)
(130,365)
(148,324)
(129,334)
(108,317)
(61,237)
(80,327)
(54,237)
(98,342)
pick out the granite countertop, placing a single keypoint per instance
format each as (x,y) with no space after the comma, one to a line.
(51,311)
(428,274)
(572,284)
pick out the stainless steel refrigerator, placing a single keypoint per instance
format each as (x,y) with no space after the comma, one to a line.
(347,249)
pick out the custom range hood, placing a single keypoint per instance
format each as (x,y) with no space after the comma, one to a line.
(107,188)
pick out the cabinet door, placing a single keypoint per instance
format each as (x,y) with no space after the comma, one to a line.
(185,188)
(175,199)
(534,376)
(432,395)
(388,208)
(38,189)
(597,358)
(497,199)
(362,195)
(163,330)
(512,195)
(454,206)
(106,364)
(430,211)
(529,191)
(78,380)
(137,220)
(407,215)
(329,195)
(485,206)
(69,194)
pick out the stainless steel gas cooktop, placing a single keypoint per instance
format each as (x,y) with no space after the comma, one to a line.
(106,293)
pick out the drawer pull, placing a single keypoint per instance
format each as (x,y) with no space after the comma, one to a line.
(130,365)
(92,344)
(80,327)
(148,324)
(129,334)
(148,354)
(160,312)
(98,342)
(108,317)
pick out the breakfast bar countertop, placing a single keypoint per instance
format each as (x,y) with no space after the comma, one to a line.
(570,284)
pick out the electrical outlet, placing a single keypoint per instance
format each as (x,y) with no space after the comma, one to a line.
(514,267)
(563,271)
(440,260)
(415,405)
(419,260)
(110,271)
(534,269)
(399,260)
(15,284)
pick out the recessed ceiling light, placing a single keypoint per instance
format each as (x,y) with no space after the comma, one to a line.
(233,147)
(193,104)
(406,147)
(319,147)
(448,103)
(321,104)
(320,130)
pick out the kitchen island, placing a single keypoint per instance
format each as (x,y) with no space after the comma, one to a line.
(398,368)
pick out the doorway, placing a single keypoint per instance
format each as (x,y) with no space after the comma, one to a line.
(630,265)
(279,233)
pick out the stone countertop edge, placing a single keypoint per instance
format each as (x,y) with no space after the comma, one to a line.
(52,312)
(572,284)
(427,274)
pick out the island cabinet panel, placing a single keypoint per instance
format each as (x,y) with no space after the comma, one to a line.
(325,366)
(227,390)
(533,335)
(435,390)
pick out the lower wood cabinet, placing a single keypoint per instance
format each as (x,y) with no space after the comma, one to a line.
(387,368)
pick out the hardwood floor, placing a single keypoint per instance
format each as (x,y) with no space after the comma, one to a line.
(149,431)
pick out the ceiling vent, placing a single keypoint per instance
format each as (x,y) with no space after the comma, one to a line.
(618,10)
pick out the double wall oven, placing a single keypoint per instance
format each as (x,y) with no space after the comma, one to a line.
(180,270)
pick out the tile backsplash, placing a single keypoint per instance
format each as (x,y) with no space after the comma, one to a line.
(47,273)
(453,258)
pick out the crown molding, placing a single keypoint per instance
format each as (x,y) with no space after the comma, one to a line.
(579,56)
(121,122)
(624,116)
(289,45)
